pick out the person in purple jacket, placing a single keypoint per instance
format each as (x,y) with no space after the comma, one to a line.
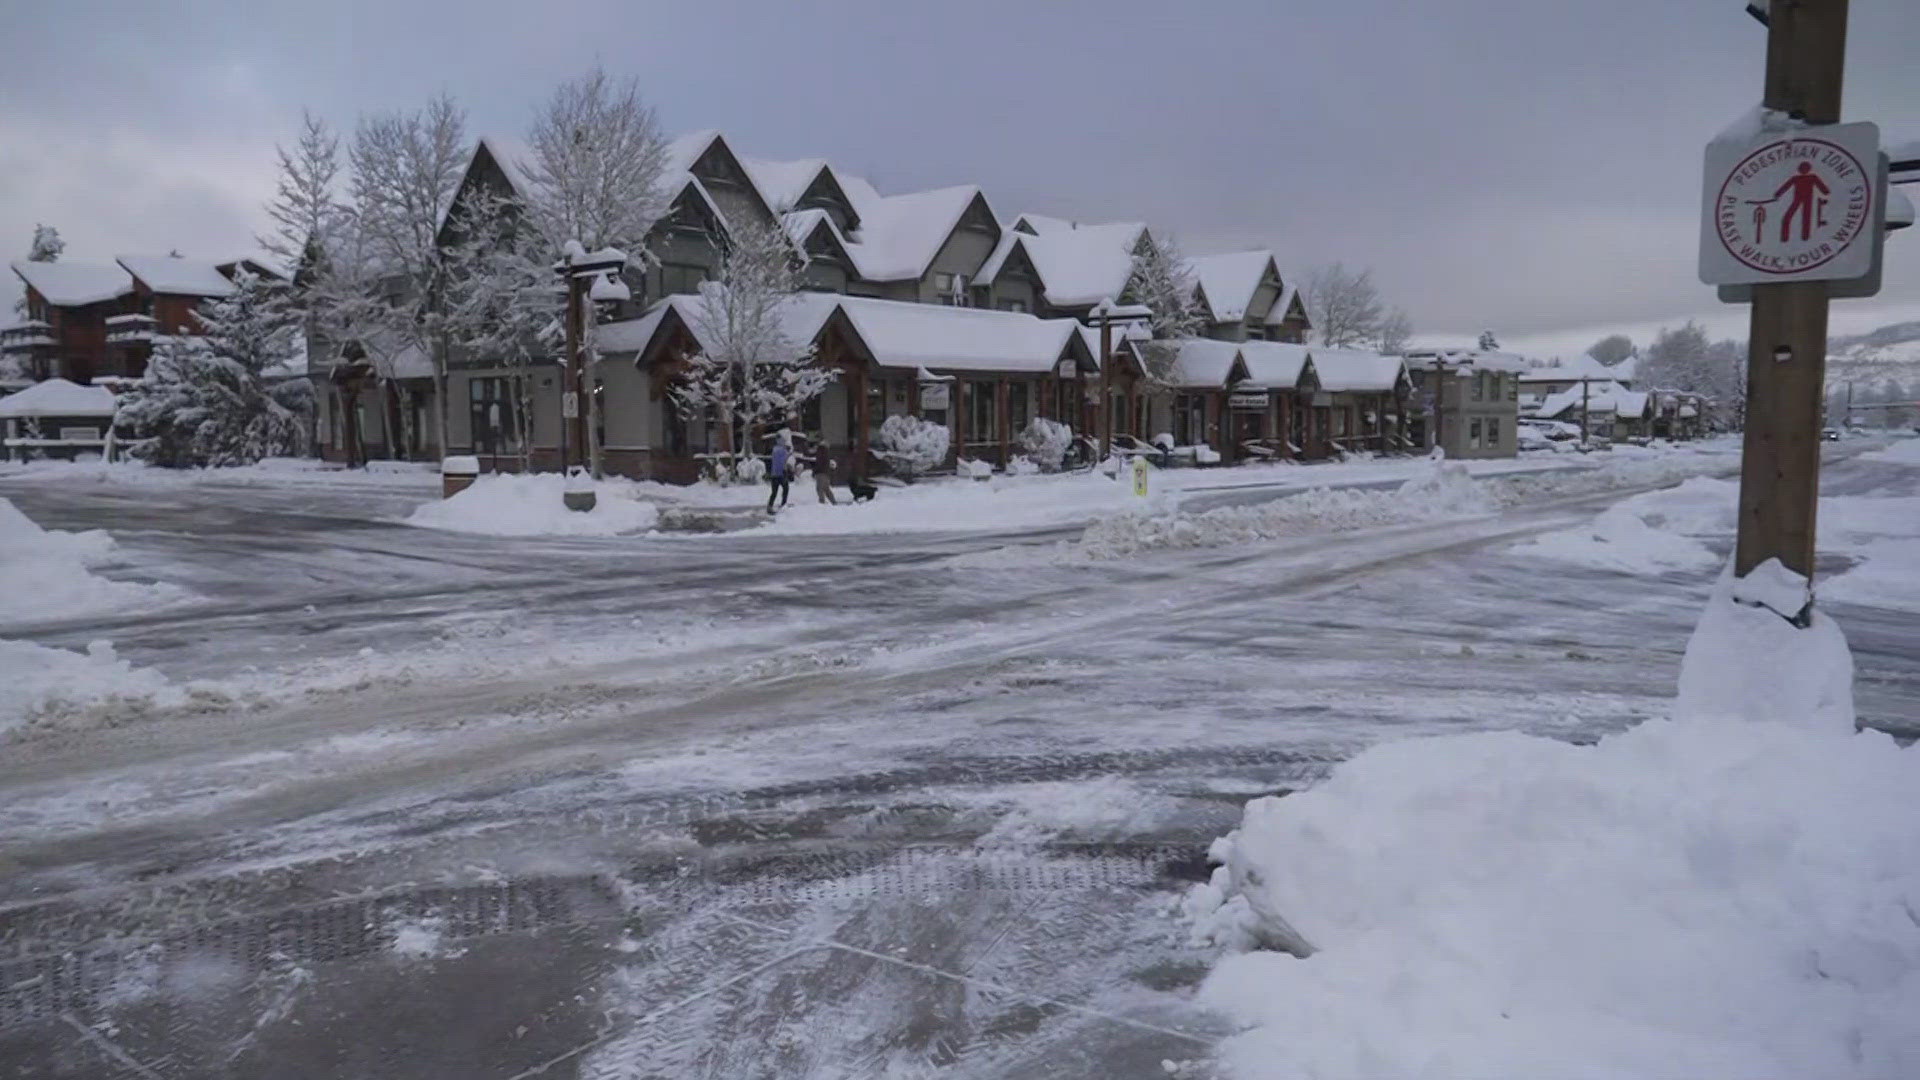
(780,469)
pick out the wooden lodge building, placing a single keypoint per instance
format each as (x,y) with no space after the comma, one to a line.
(924,304)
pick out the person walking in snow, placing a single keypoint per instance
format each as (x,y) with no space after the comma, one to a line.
(780,469)
(823,477)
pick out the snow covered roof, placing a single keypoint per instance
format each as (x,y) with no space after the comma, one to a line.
(783,183)
(1205,363)
(176,275)
(1582,367)
(1229,281)
(900,234)
(1357,371)
(57,397)
(72,284)
(1602,398)
(1078,265)
(1289,293)
(940,338)
(1482,359)
(1276,365)
(801,315)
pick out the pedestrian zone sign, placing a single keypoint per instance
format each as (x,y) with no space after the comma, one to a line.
(1799,205)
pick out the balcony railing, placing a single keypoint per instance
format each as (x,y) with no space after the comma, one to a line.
(131,329)
(25,337)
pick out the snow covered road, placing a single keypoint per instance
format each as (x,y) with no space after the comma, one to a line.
(862,804)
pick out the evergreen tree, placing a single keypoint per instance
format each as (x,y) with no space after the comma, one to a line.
(1162,280)
(205,401)
(47,245)
(1489,343)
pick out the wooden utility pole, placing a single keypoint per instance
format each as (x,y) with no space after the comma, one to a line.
(1787,340)
(1583,411)
(573,381)
(1106,364)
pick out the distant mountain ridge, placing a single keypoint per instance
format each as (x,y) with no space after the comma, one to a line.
(1890,352)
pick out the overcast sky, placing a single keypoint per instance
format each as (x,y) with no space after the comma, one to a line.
(1532,166)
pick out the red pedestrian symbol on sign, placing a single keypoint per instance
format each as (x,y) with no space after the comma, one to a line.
(1805,203)
(1827,199)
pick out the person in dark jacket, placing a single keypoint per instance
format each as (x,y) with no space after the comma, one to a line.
(780,469)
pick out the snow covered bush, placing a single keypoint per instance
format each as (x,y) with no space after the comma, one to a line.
(203,401)
(913,446)
(1045,442)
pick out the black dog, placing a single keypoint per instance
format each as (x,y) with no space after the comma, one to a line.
(862,491)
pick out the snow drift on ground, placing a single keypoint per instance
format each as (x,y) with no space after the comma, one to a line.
(1649,533)
(39,681)
(44,575)
(1684,899)
(1437,491)
(1904,452)
(532,505)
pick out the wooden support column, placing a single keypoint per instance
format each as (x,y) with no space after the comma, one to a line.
(1003,419)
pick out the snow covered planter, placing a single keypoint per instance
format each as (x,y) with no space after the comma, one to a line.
(457,474)
(1045,443)
(912,446)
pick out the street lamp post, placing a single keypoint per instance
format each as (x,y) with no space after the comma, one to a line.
(588,275)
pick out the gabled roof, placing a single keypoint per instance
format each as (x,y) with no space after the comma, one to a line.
(784,183)
(1203,363)
(1601,398)
(900,234)
(73,284)
(1276,365)
(57,397)
(1289,299)
(1228,282)
(1078,266)
(803,225)
(1358,371)
(940,338)
(801,316)
(177,276)
(1582,367)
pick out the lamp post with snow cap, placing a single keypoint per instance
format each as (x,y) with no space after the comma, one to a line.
(591,277)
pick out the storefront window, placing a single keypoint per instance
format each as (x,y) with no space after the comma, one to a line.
(980,412)
(1473,434)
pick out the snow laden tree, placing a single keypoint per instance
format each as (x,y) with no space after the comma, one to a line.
(45,248)
(47,245)
(912,447)
(1344,306)
(1162,279)
(1393,334)
(206,401)
(406,169)
(1612,350)
(749,374)
(1684,359)
(504,301)
(595,177)
(308,223)
(1488,342)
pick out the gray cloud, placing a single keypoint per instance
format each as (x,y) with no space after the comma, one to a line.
(1529,166)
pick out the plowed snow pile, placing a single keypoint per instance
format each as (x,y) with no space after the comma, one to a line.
(45,575)
(534,505)
(1683,899)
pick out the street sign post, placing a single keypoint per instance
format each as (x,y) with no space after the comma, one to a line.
(1787,206)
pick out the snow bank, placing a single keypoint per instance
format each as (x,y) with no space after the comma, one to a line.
(533,505)
(1683,899)
(44,574)
(1745,661)
(1650,533)
(1904,452)
(1443,491)
(1001,502)
(40,682)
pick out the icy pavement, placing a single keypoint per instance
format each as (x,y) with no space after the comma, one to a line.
(744,805)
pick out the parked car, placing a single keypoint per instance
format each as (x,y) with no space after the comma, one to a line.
(1831,434)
